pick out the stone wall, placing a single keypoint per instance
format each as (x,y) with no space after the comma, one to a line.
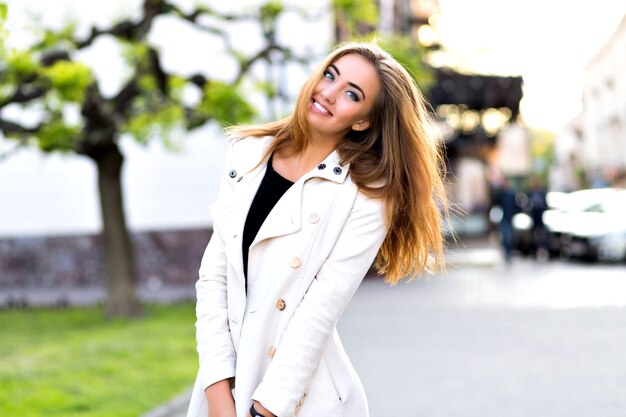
(162,258)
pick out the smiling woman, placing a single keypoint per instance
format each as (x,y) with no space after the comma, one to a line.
(339,100)
(306,205)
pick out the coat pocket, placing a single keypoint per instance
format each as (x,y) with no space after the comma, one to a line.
(321,397)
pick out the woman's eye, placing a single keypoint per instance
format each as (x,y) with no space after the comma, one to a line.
(329,75)
(352,96)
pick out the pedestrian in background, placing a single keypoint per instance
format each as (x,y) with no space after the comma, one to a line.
(537,205)
(505,198)
(306,204)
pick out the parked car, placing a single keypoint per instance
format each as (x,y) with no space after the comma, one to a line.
(523,223)
(599,231)
(571,220)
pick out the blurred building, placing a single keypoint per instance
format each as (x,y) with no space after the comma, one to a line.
(604,111)
(408,16)
(477,115)
(567,171)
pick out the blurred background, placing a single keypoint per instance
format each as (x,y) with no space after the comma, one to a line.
(111,145)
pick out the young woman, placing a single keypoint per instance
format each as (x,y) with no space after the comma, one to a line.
(306,205)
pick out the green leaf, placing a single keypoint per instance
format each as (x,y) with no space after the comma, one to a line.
(69,79)
(147,83)
(267,88)
(362,11)
(21,65)
(223,103)
(271,9)
(53,39)
(4,11)
(409,54)
(146,125)
(134,53)
(57,136)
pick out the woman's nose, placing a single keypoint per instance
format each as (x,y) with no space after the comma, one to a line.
(328,95)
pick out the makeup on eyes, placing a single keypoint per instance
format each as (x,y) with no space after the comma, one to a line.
(350,83)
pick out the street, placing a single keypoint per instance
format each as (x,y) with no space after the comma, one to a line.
(528,339)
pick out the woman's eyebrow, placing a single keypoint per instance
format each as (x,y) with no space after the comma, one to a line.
(357,87)
(334,67)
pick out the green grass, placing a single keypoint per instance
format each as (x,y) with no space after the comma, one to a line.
(74,362)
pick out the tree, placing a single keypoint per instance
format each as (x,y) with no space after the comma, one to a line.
(3,17)
(149,105)
(358,20)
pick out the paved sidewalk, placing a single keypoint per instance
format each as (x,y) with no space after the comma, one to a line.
(473,253)
(529,339)
(460,255)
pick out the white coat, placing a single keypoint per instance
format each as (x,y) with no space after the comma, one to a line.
(279,342)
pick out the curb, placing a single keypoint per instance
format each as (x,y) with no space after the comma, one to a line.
(176,407)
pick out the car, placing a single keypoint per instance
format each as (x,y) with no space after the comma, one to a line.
(598,232)
(570,220)
(525,240)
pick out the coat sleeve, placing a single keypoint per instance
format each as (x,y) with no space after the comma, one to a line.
(301,347)
(215,347)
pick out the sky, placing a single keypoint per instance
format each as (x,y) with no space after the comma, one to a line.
(56,194)
(548,42)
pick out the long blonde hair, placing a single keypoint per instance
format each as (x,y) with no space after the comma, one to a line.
(398,150)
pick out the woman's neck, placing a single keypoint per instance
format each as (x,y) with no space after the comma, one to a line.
(294,165)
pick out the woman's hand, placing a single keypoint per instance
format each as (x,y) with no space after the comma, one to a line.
(260,409)
(220,399)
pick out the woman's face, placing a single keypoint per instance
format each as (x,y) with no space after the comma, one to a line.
(343,98)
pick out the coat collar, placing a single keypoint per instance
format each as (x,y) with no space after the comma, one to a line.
(285,217)
(330,168)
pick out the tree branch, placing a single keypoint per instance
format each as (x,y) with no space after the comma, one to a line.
(23,94)
(265,54)
(100,128)
(122,100)
(126,29)
(8,128)
(154,63)
(49,58)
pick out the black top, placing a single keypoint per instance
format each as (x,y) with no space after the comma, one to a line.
(272,188)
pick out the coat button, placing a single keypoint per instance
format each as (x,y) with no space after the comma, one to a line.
(232,173)
(337,170)
(295,262)
(321,166)
(271,351)
(314,217)
(280,304)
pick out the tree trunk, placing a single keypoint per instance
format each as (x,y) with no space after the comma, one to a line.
(122,297)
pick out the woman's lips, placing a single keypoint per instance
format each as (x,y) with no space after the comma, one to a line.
(320,108)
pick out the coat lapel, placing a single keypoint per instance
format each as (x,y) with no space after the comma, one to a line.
(246,184)
(285,218)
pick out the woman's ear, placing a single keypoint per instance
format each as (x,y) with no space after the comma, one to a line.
(361,125)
